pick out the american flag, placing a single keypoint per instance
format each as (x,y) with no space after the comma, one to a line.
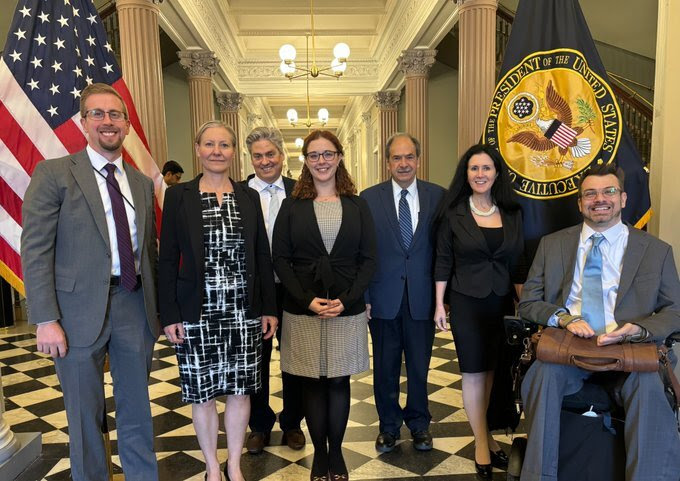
(54,49)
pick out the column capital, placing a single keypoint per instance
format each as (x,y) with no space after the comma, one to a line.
(366,118)
(417,61)
(148,4)
(387,99)
(229,101)
(199,63)
(251,119)
(467,4)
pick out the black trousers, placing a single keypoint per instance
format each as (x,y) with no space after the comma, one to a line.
(391,338)
(262,417)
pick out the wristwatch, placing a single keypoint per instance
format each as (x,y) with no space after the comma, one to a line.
(564,319)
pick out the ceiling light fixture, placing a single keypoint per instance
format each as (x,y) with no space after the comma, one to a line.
(287,53)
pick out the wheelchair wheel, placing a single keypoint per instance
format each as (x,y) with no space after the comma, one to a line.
(519,447)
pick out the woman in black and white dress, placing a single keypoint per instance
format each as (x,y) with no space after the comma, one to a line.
(324,254)
(216,289)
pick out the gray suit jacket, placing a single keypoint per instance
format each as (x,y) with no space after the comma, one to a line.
(65,251)
(649,289)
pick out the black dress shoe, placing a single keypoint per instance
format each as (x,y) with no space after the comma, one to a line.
(385,442)
(294,438)
(256,442)
(484,471)
(499,459)
(422,440)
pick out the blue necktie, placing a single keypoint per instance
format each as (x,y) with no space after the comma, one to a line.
(592,302)
(405,225)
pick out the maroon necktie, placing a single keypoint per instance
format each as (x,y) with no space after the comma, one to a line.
(128,273)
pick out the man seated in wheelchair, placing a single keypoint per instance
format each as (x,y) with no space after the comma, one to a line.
(603,278)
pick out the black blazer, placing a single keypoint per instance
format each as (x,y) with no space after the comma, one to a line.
(181,259)
(465,261)
(305,267)
(288,183)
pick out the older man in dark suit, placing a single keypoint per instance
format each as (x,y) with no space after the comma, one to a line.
(89,257)
(399,301)
(603,278)
(265,145)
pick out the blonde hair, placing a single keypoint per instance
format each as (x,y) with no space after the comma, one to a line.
(214,124)
(100,88)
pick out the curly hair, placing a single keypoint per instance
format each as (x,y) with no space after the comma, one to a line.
(304,187)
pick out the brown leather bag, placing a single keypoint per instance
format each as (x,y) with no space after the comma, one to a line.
(559,346)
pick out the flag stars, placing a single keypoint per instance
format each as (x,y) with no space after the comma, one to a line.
(75,31)
(90,39)
(59,44)
(78,71)
(90,61)
(54,89)
(37,62)
(20,34)
(63,21)
(56,66)
(25,12)
(108,68)
(107,46)
(33,84)
(92,19)
(44,17)
(40,39)
(15,56)
(52,111)
(88,80)
(78,51)
(76,12)
(75,92)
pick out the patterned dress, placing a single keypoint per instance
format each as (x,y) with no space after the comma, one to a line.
(221,352)
(313,347)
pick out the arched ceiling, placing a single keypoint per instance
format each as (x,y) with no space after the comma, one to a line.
(246,36)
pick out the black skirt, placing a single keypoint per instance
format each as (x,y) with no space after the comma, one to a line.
(477,327)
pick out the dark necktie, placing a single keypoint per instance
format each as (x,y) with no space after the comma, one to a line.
(405,225)
(128,273)
(592,302)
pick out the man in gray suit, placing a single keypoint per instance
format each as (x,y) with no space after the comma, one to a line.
(89,258)
(603,278)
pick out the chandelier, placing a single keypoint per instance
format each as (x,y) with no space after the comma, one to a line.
(322,114)
(291,71)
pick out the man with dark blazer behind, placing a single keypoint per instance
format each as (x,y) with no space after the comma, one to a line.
(400,298)
(89,256)
(265,145)
(634,296)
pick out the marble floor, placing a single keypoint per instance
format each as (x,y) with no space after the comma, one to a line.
(34,404)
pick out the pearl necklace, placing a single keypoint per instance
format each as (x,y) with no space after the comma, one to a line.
(482,213)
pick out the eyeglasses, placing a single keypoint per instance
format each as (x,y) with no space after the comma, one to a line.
(326,154)
(271,155)
(99,114)
(607,192)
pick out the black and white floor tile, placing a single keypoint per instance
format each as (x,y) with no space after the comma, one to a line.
(33,403)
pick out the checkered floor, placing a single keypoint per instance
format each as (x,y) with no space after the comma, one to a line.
(34,404)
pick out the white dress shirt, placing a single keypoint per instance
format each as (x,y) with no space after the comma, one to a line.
(411,198)
(261,187)
(613,248)
(98,162)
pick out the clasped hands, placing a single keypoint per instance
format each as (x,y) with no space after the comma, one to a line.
(326,308)
(580,327)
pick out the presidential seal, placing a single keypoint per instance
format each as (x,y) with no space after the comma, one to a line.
(551,118)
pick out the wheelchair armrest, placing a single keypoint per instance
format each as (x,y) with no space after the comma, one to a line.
(518,329)
(672,339)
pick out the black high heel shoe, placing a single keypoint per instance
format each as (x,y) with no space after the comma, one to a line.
(499,459)
(484,471)
(226,471)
